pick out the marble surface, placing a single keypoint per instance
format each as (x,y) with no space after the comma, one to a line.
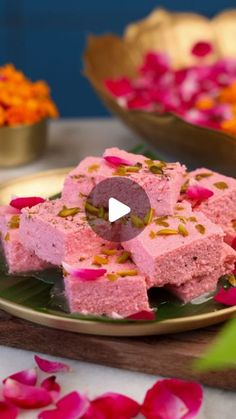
(71,140)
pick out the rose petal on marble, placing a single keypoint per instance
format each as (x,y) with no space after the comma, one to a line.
(198,193)
(72,406)
(51,366)
(117,161)
(142,315)
(112,406)
(8,411)
(172,399)
(24,396)
(202,48)
(226,297)
(52,386)
(24,202)
(83,273)
(28,377)
(119,87)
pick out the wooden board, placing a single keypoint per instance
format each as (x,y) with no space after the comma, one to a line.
(169,355)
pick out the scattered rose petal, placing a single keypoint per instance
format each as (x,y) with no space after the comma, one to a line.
(51,366)
(24,396)
(119,87)
(24,202)
(117,161)
(52,386)
(8,411)
(142,315)
(112,406)
(226,296)
(28,377)
(202,48)
(233,244)
(71,406)
(198,193)
(155,64)
(83,273)
(172,399)
(140,102)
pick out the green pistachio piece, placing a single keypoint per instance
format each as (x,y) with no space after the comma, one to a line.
(182,230)
(200,228)
(221,185)
(166,232)
(14,221)
(201,176)
(66,212)
(136,221)
(124,256)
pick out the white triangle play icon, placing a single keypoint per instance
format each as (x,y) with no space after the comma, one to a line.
(116,210)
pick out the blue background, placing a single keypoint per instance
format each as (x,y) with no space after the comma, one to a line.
(46,38)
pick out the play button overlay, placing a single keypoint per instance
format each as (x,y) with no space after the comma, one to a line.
(117,209)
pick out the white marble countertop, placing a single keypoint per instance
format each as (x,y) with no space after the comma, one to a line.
(71,140)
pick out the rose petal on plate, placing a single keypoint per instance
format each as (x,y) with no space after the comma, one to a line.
(8,411)
(28,377)
(202,48)
(119,87)
(117,161)
(72,406)
(51,366)
(52,386)
(226,296)
(112,406)
(23,202)
(172,399)
(198,193)
(24,396)
(142,315)
(83,273)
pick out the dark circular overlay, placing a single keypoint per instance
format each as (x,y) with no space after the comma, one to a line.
(127,192)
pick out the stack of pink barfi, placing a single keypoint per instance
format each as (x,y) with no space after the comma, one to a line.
(183,247)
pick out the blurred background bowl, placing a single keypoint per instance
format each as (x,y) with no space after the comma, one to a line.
(110,57)
(22,144)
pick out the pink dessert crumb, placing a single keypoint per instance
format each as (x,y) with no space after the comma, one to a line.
(18,258)
(161,181)
(55,232)
(120,292)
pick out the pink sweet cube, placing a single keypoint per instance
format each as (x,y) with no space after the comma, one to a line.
(55,232)
(18,258)
(120,292)
(162,185)
(174,249)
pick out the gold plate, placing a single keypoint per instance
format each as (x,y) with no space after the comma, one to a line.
(47,184)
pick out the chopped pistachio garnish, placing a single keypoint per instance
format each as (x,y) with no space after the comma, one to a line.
(200,228)
(185,186)
(112,277)
(66,212)
(221,185)
(130,272)
(109,252)
(99,260)
(7,237)
(152,234)
(192,219)
(181,218)
(124,256)
(91,208)
(101,212)
(166,232)
(156,169)
(136,221)
(93,168)
(182,230)
(161,223)
(201,176)
(179,208)
(149,162)
(120,171)
(132,168)
(234,224)
(232,280)
(149,216)
(14,221)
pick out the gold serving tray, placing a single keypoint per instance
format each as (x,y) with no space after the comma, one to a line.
(47,184)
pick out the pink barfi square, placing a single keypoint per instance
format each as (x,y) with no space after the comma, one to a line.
(120,292)
(54,236)
(18,258)
(173,249)
(162,188)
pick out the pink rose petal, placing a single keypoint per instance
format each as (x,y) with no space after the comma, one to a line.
(8,411)
(28,377)
(71,406)
(198,193)
(233,244)
(117,161)
(24,202)
(24,396)
(52,386)
(51,366)
(112,406)
(172,399)
(226,296)
(83,273)
(142,315)
(155,64)
(202,48)
(120,87)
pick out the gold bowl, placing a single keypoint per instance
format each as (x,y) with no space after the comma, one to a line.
(22,144)
(109,56)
